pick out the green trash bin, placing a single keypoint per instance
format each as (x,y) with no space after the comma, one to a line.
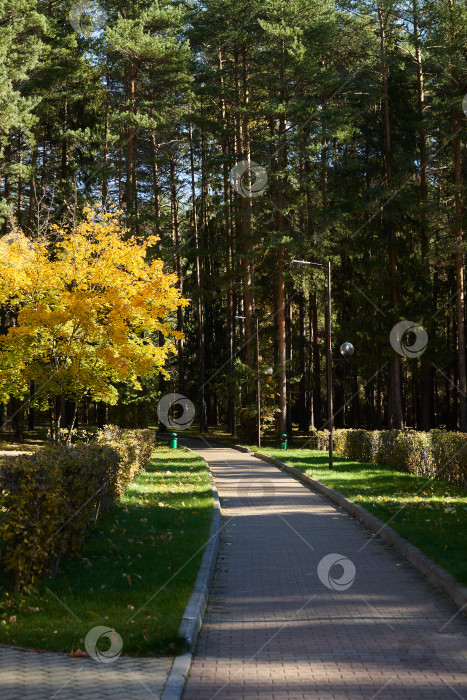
(173,441)
(283,441)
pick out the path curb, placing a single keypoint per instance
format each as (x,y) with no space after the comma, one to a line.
(192,619)
(434,573)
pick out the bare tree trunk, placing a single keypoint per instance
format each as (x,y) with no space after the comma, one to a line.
(460,276)
(155,181)
(7,185)
(199,295)
(120,176)
(131,185)
(282,166)
(303,420)
(457,119)
(426,407)
(19,213)
(395,413)
(178,263)
(231,418)
(72,423)
(32,187)
(64,155)
(317,401)
(245,242)
(105,187)
(281,334)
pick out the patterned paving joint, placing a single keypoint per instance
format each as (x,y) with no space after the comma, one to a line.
(307,604)
(25,675)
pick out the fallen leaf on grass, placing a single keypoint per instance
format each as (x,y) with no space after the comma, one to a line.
(78,654)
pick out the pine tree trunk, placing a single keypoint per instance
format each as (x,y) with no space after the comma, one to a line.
(282,169)
(178,262)
(457,120)
(245,242)
(7,186)
(19,213)
(281,334)
(105,187)
(317,401)
(120,176)
(64,154)
(395,412)
(460,276)
(426,408)
(231,418)
(303,421)
(131,193)
(199,295)
(155,182)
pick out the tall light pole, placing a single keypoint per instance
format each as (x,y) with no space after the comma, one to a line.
(258,388)
(330,421)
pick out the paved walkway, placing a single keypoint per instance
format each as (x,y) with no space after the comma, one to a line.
(29,675)
(276,629)
(26,675)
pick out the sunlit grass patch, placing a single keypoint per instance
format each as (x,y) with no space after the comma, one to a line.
(136,572)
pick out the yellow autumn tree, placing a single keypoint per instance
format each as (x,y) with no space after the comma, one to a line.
(85,312)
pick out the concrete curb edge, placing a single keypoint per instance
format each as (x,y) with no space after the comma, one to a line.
(192,619)
(434,573)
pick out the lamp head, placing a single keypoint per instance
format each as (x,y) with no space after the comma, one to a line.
(347,349)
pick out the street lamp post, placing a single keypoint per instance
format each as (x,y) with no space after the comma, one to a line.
(330,421)
(329,367)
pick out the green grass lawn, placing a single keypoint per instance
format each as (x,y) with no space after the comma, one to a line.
(136,572)
(430,514)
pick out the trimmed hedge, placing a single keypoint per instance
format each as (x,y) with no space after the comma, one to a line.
(50,499)
(437,454)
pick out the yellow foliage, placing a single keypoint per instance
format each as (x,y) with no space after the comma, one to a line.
(88,312)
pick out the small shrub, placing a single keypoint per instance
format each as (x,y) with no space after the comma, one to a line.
(77,435)
(449,456)
(322,438)
(50,499)
(437,454)
(354,443)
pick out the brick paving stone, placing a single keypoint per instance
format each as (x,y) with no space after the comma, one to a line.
(274,630)
(26,675)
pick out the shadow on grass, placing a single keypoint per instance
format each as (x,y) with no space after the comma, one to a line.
(135,573)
